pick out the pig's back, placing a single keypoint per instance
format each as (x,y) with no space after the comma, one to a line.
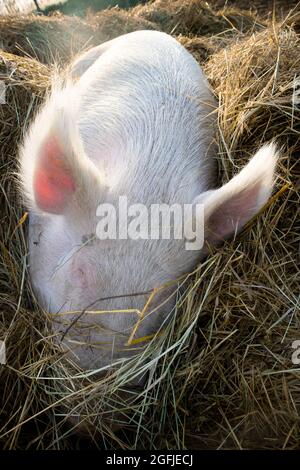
(143,118)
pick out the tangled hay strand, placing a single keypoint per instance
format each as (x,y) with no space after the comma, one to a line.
(57,38)
(221,374)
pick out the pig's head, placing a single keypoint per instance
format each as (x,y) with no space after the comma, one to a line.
(73,271)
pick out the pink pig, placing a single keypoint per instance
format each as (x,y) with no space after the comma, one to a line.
(134,118)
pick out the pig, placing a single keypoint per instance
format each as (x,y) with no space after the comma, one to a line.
(133,117)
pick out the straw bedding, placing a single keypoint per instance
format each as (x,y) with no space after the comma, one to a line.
(221,375)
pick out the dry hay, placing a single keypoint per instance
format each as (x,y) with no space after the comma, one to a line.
(197,18)
(57,38)
(221,375)
(264,8)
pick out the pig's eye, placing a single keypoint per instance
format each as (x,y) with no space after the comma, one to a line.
(79,278)
(80,274)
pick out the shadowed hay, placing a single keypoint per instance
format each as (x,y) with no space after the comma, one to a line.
(221,373)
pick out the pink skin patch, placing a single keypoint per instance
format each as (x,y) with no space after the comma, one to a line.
(53,185)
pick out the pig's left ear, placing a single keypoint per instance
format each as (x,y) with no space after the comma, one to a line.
(229,208)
